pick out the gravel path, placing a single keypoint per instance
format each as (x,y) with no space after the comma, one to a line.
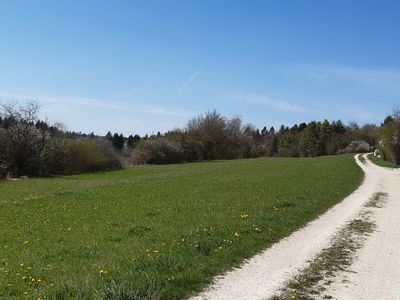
(378,266)
(375,274)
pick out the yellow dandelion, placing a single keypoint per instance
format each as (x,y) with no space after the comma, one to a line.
(103,272)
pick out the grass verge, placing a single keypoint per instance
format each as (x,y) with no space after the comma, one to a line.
(381,162)
(156,232)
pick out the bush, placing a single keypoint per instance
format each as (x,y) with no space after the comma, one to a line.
(157,150)
(193,150)
(358,147)
(69,156)
(390,134)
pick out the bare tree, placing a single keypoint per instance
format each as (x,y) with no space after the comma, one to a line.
(23,142)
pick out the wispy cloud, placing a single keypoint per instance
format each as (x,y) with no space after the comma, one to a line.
(278,104)
(384,79)
(189,81)
(69,102)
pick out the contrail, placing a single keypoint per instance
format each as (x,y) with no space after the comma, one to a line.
(189,81)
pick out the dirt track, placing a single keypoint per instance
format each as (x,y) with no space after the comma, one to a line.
(376,265)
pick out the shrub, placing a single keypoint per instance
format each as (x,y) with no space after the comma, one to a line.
(157,150)
(70,156)
(390,134)
(358,147)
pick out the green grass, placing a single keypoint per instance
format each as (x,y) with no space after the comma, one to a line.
(381,162)
(156,231)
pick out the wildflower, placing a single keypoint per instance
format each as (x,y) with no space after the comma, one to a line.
(244,216)
(237,234)
(103,272)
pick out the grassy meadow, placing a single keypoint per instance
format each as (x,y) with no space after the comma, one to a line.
(156,232)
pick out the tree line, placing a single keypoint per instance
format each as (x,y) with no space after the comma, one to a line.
(32,147)
(211,136)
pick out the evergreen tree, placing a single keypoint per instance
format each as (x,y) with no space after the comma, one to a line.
(272,131)
(264,131)
(118,141)
(130,141)
(109,136)
(136,139)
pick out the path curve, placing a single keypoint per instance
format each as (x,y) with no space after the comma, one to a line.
(264,274)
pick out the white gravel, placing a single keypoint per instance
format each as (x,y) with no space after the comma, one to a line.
(264,274)
(376,271)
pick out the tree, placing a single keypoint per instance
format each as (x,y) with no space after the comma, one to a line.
(288,144)
(309,144)
(390,135)
(109,136)
(23,143)
(264,131)
(272,130)
(118,141)
(130,141)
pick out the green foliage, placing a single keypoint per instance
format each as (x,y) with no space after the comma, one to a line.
(390,134)
(156,232)
(132,140)
(118,141)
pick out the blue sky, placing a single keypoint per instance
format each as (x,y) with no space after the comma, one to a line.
(144,66)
